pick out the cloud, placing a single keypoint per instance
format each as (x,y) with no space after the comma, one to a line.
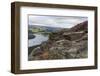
(55,21)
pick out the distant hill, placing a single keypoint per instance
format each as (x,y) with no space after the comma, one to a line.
(45,28)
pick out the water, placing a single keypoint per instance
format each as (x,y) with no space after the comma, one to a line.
(39,38)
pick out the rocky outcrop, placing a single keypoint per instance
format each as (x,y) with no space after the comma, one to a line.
(64,44)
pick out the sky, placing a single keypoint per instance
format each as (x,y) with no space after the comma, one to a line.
(55,21)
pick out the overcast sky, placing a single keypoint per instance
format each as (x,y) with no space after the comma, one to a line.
(55,21)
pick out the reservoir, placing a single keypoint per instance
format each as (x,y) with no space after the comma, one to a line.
(39,38)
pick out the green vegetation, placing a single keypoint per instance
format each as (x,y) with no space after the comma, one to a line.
(39,30)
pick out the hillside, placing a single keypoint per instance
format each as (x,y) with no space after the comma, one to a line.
(64,44)
(80,27)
